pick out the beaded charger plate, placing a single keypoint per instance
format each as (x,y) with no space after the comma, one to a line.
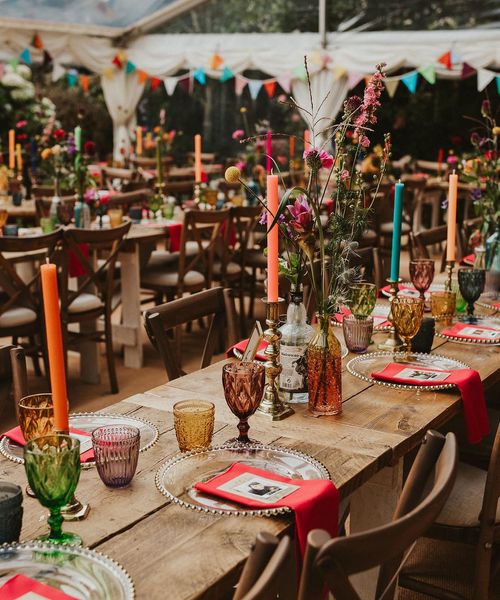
(177,477)
(78,572)
(410,290)
(487,300)
(88,421)
(491,322)
(381,311)
(363,366)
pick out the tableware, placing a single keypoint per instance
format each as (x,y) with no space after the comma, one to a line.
(357,332)
(488,322)
(407,316)
(194,424)
(135,214)
(4,215)
(443,305)
(364,365)
(243,385)
(79,572)
(177,477)
(363,299)
(115,216)
(88,422)
(406,288)
(47,224)
(65,212)
(424,339)
(10,230)
(11,512)
(461,304)
(52,465)
(36,415)
(422,274)
(116,451)
(471,282)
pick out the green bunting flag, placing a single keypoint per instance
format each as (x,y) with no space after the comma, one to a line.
(428,73)
(13,62)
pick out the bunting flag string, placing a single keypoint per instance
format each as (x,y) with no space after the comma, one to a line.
(428,73)
(484,77)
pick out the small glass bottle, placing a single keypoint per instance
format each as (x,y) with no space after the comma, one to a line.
(296,334)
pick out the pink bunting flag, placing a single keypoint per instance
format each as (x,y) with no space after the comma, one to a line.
(239,84)
(284,83)
(353,79)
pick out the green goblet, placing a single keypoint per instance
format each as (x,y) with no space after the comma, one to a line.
(363,299)
(52,464)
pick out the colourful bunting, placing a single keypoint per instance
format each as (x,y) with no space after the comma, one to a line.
(117,62)
(2,70)
(300,73)
(71,78)
(129,67)
(270,87)
(391,85)
(142,76)
(315,58)
(57,72)
(456,57)
(47,58)
(216,61)
(200,76)
(25,56)
(155,82)
(122,56)
(338,72)
(353,79)
(185,83)
(467,71)
(254,87)
(428,73)
(84,82)
(284,83)
(13,62)
(108,73)
(445,59)
(411,81)
(37,42)
(239,84)
(170,84)
(226,74)
(367,79)
(484,77)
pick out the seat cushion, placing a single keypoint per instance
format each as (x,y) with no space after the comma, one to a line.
(85,302)
(16,317)
(192,247)
(232,268)
(171,280)
(255,258)
(388,227)
(162,258)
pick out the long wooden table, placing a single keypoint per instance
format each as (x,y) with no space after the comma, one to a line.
(175,553)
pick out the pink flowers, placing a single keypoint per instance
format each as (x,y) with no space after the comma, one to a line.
(318,160)
(344,176)
(20,124)
(238,134)
(365,111)
(302,217)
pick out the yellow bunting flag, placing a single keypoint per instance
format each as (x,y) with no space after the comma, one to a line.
(122,56)
(108,73)
(338,71)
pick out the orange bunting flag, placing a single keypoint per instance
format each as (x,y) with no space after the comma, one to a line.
(445,59)
(155,82)
(216,61)
(117,62)
(84,82)
(270,87)
(37,42)
(142,76)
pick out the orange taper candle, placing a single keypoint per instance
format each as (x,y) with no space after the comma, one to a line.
(292,147)
(451,241)
(138,141)
(12,149)
(272,239)
(19,158)
(307,142)
(51,311)
(197,158)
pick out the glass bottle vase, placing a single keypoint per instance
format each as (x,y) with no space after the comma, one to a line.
(324,367)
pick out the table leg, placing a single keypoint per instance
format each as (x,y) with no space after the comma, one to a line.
(373,504)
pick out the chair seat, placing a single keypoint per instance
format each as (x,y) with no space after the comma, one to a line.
(464,504)
(171,280)
(84,303)
(389,227)
(162,258)
(232,268)
(16,317)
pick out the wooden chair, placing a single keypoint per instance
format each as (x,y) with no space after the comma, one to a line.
(269,571)
(111,176)
(126,200)
(13,383)
(421,244)
(333,561)
(94,294)
(368,262)
(42,206)
(448,568)
(215,302)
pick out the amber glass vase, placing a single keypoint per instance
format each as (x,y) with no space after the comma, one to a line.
(324,370)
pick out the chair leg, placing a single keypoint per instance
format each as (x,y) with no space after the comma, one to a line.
(34,357)
(252,294)
(110,356)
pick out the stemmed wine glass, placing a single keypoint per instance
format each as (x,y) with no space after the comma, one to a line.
(363,299)
(422,274)
(243,384)
(52,465)
(471,282)
(407,316)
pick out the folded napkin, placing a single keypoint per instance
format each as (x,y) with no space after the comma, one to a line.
(174,234)
(19,586)
(471,331)
(468,260)
(16,435)
(242,346)
(75,267)
(468,382)
(496,305)
(315,502)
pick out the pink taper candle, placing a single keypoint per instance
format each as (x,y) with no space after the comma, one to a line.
(197,158)
(307,143)
(272,239)
(269,152)
(452,217)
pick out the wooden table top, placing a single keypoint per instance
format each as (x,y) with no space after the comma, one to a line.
(25,210)
(172,551)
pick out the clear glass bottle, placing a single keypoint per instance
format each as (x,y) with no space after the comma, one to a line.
(296,334)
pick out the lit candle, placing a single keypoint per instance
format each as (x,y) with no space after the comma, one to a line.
(292,147)
(78,138)
(48,273)
(269,152)
(396,231)
(12,156)
(272,239)
(197,158)
(452,217)
(138,141)
(19,158)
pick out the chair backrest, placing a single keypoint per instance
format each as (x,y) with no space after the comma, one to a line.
(421,242)
(269,572)
(112,174)
(42,205)
(215,302)
(487,518)
(368,261)
(127,199)
(337,559)
(13,382)
(244,219)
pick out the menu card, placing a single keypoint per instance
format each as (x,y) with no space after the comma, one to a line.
(20,587)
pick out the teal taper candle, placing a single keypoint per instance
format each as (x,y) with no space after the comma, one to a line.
(396,232)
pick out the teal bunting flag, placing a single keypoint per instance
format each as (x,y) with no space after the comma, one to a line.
(25,56)
(200,76)
(72,79)
(129,67)
(498,84)
(411,81)
(226,74)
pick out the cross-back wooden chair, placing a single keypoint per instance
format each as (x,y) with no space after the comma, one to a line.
(125,200)
(333,561)
(422,243)
(42,206)
(368,261)
(93,295)
(20,301)
(13,383)
(217,303)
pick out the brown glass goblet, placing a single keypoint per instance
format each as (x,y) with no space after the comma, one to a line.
(422,274)
(243,384)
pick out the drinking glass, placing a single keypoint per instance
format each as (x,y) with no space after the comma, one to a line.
(115,217)
(357,332)
(194,424)
(407,316)
(363,299)
(116,451)
(422,274)
(243,384)
(471,282)
(65,211)
(47,224)
(52,465)
(461,304)
(443,305)
(36,416)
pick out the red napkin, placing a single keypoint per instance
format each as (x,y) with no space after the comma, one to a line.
(75,267)
(242,346)
(315,502)
(20,586)
(468,382)
(468,260)
(174,233)
(16,436)
(471,331)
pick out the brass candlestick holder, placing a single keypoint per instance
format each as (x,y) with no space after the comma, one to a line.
(392,343)
(272,405)
(75,510)
(449,272)
(197,193)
